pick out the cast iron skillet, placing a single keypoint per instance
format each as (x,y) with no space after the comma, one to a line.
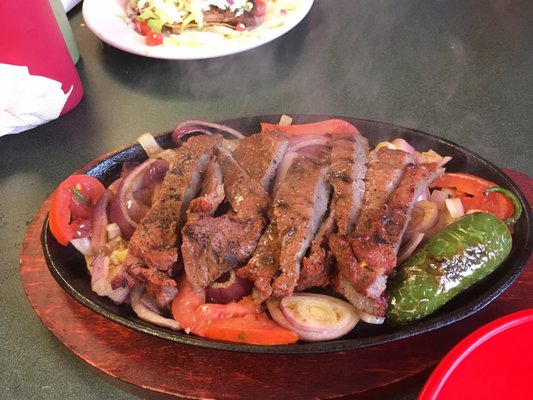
(69,269)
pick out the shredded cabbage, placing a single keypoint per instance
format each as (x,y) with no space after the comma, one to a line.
(158,13)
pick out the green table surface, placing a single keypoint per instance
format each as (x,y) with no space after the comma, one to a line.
(459,69)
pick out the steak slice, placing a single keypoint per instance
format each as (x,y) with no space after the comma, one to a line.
(298,209)
(349,155)
(385,169)
(155,241)
(264,263)
(378,247)
(212,246)
(246,196)
(317,266)
(363,280)
(211,193)
(260,154)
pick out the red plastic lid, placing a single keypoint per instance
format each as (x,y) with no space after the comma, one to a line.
(493,362)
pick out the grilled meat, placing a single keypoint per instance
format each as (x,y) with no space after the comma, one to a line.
(317,266)
(378,247)
(212,246)
(154,244)
(385,169)
(260,154)
(349,154)
(298,210)
(246,196)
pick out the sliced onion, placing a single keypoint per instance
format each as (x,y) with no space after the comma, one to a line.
(100,220)
(369,318)
(83,245)
(101,280)
(314,317)
(409,247)
(146,314)
(198,126)
(284,166)
(149,145)
(424,216)
(299,142)
(402,144)
(439,198)
(125,210)
(285,120)
(432,156)
(113,231)
(229,287)
(455,207)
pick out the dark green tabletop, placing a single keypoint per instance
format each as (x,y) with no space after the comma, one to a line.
(458,69)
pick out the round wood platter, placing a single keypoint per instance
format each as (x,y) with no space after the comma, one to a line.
(160,369)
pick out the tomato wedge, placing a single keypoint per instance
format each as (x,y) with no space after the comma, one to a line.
(329,126)
(71,207)
(249,331)
(471,190)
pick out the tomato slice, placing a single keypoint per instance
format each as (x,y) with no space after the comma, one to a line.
(329,126)
(71,207)
(249,331)
(471,189)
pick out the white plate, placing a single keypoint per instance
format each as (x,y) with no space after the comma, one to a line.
(107,19)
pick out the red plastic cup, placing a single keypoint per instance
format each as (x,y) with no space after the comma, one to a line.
(30,36)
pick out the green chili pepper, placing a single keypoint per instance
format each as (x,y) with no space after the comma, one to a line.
(460,255)
(516,203)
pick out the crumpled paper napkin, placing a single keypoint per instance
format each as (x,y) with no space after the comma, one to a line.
(27,101)
(69,4)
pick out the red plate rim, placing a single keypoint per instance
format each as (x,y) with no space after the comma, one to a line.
(448,365)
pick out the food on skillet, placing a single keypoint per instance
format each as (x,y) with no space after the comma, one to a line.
(461,254)
(296,232)
(156,18)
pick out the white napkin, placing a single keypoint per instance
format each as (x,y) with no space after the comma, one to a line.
(69,4)
(27,101)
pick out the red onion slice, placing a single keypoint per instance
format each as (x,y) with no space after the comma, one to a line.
(228,288)
(125,210)
(198,126)
(146,314)
(314,317)
(99,222)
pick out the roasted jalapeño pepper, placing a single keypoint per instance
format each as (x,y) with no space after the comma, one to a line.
(462,254)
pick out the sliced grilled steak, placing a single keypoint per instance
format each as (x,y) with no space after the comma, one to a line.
(212,246)
(298,210)
(349,155)
(155,240)
(247,196)
(317,266)
(363,280)
(374,307)
(211,193)
(385,169)
(378,248)
(263,265)
(260,154)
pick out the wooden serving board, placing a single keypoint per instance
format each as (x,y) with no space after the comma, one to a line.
(156,368)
